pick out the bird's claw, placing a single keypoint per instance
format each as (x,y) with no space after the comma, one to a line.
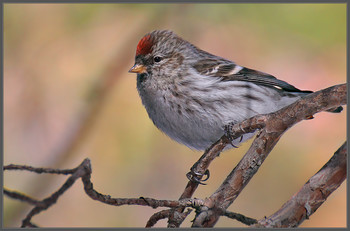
(229,134)
(195,176)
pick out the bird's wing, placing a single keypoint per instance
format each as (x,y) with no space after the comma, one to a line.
(229,71)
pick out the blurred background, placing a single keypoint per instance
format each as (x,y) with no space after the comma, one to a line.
(68,96)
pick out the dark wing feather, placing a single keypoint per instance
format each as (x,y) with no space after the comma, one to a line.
(223,69)
(262,78)
(214,67)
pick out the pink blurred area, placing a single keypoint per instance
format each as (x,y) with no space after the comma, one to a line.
(64,63)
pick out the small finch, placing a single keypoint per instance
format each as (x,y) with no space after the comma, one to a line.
(191,95)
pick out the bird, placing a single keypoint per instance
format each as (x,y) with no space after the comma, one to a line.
(191,95)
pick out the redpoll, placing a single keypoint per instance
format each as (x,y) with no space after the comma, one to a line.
(191,94)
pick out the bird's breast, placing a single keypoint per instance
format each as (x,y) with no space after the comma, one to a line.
(182,117)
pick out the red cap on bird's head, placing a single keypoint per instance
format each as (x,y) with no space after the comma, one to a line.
(144,46)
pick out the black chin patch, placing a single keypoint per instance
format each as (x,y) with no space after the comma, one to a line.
(142,77)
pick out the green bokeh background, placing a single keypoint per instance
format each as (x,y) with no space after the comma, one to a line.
(57,55)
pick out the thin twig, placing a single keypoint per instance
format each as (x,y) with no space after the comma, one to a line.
(49,201)
(39,170)
(20,196)
(240,217)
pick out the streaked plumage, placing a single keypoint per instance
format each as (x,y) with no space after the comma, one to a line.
(191,94)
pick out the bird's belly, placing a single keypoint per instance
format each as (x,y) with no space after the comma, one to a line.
(196,131)
(189,125)
(194,134)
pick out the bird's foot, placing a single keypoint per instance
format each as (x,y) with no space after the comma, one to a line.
(231,136)
(196,176)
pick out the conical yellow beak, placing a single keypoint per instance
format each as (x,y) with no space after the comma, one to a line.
(138,68)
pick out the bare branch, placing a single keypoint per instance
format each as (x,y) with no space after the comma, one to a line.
(177,218)
(286,117)
(199,169)
(156,217)
(39,170)
(84,171)
(312,195)
(21,197)
(240,217)
(49,201)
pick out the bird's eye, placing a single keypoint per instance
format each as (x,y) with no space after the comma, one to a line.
(157,59)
